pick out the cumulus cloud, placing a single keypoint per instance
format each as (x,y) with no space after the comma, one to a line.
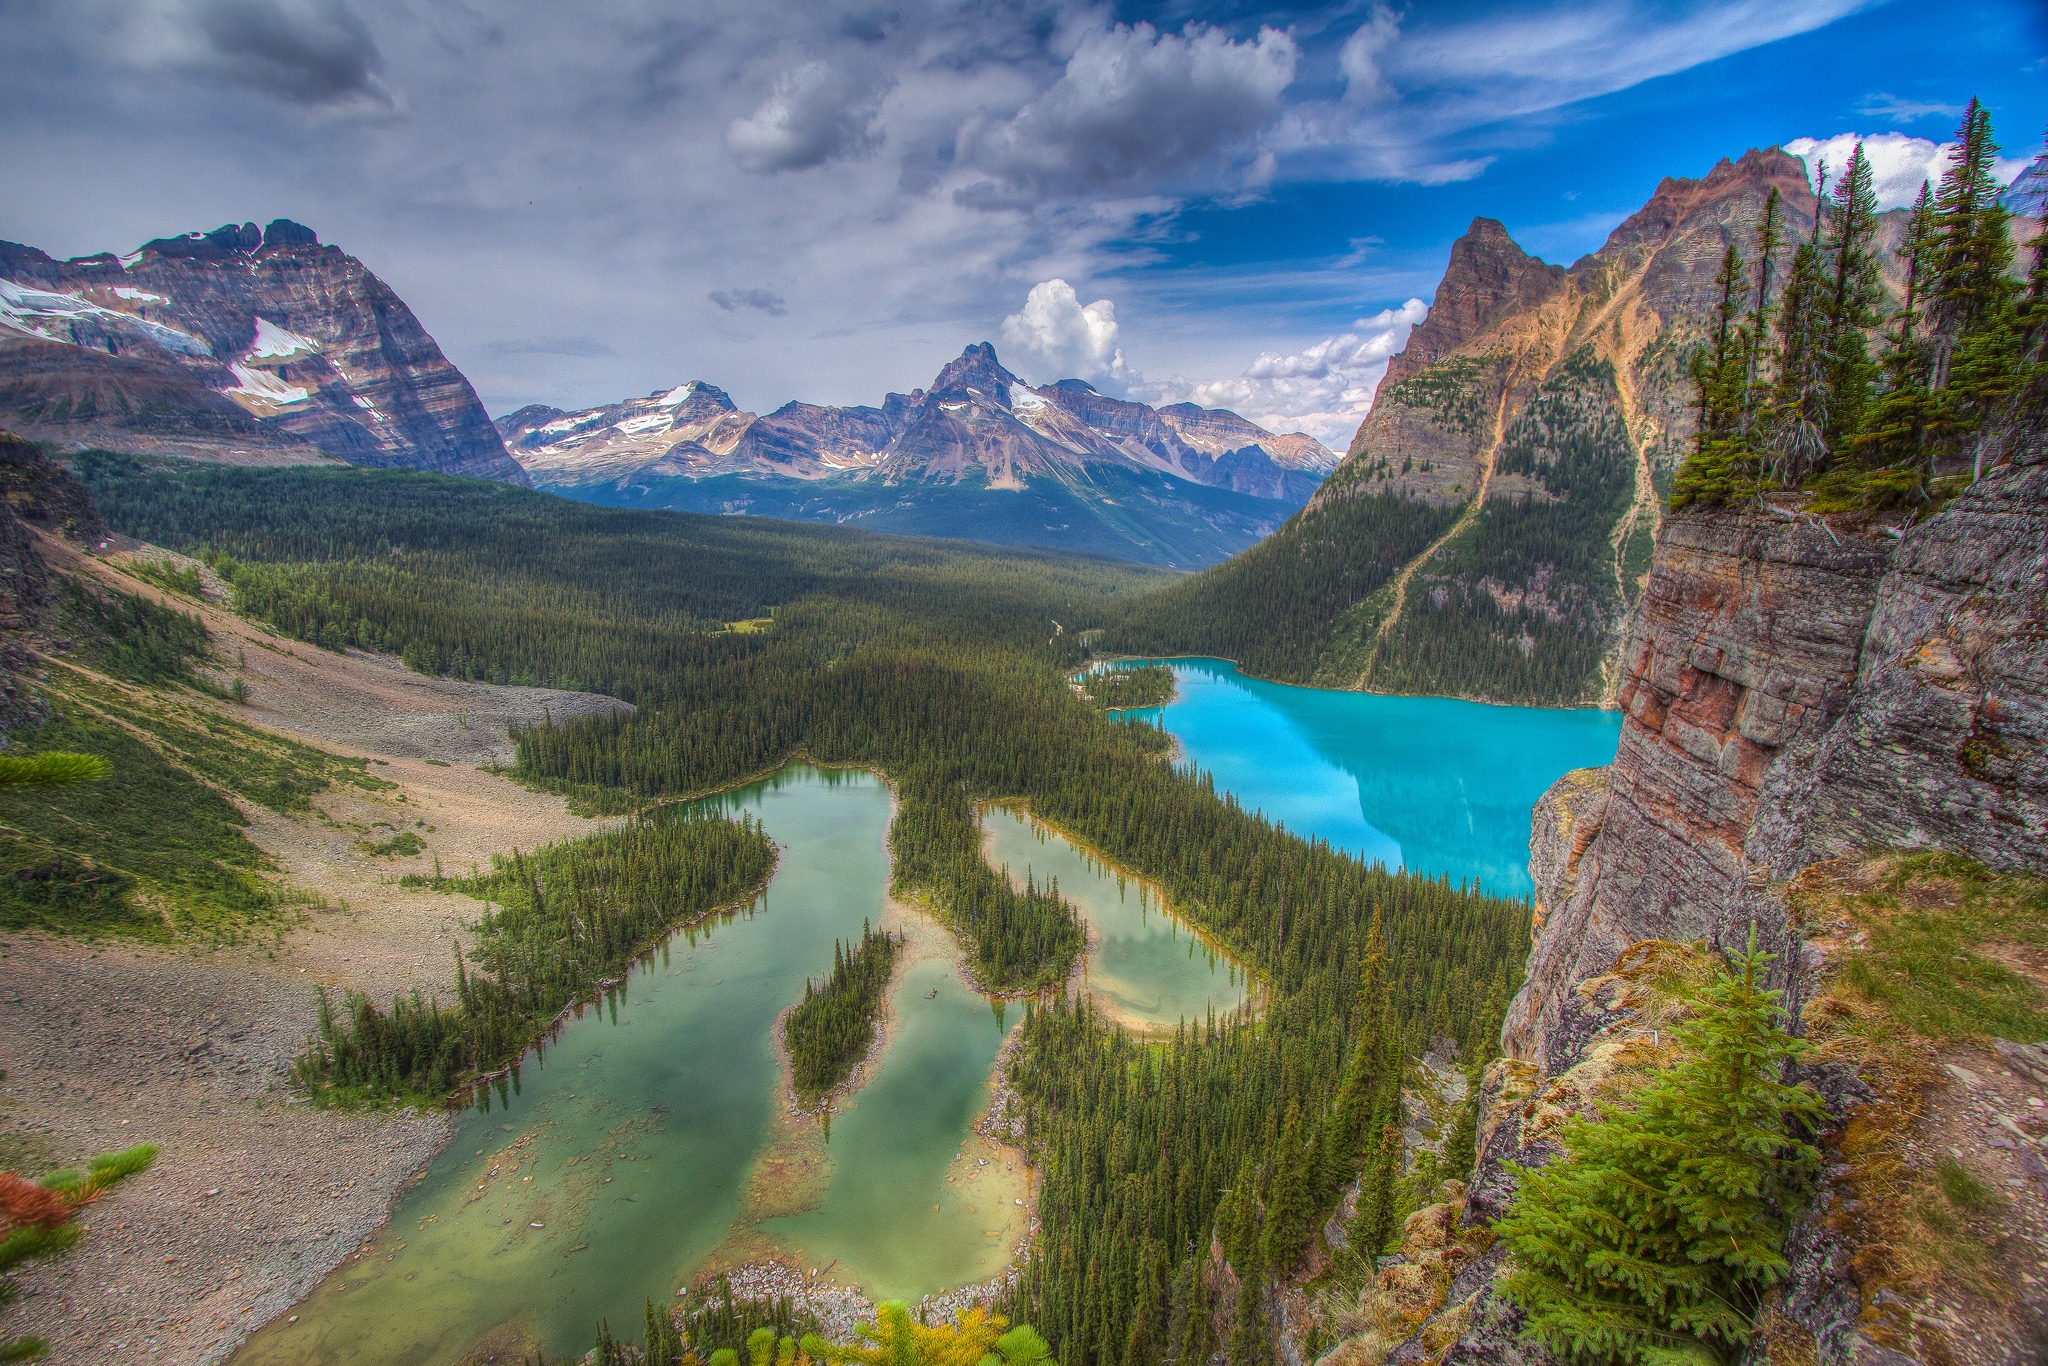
(1325,389)
(310,52)
(1898,164)
(1054,336)
(760,300)
(816,113)
(1134,109)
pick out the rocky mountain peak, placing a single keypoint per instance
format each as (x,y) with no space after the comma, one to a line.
(977,370)
(1731,190)
(1488,277)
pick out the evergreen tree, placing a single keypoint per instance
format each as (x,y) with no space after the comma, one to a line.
(1655,1236)
(1721,465)
(1290,1203)
(1373,1221)
(1852,297)
(664,1345)
(1893,445)
(1343,1134)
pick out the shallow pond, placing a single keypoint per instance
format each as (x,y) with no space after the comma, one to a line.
(1427,783)
(632,1149)
(1147,968)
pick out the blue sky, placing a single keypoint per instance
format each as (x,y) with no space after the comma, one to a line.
(827,199)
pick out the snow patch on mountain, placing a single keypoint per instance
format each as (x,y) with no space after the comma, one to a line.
(275,343)
(265,388)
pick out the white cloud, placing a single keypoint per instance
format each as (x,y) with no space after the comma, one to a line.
(815,113)
(1055,337)
(1359,59)
(1135,108)
(1325,389)
(1898,164)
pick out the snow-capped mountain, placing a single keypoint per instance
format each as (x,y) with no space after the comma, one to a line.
(978,435)
(238,344)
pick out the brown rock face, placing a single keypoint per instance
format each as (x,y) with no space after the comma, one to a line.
(235,343)
(1793,695)
(1748,641)
(1489,278)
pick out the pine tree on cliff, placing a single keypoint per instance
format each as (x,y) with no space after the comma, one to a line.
(1895,425)
(1657,1234)
(1798,402)
(1721,464)
(1770,230)
(1852,297)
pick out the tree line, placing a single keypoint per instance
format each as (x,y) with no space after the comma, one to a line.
(1793,394)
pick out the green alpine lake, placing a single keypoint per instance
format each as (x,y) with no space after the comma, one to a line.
(649,1140)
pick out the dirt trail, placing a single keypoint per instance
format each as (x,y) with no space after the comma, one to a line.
(1465,519)
(256,1195)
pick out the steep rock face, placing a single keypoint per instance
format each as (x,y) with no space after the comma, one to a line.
(235,343)
(1944,741)
(1748,642)
(1797,692)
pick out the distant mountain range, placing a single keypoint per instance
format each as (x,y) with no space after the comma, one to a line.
(981,454)
(238,344)
(264,346)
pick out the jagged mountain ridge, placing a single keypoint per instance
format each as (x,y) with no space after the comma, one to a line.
(240,344)
(1547,406)
(1178,485)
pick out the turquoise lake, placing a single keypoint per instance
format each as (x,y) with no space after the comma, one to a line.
(1426,783)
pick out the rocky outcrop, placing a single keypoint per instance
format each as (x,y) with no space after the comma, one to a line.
(240,344)
(1748,642)
(1796,691)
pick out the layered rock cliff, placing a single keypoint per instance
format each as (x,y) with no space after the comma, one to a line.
(1799,694)
(234,344)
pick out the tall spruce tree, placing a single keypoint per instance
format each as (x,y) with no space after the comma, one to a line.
(1852,298)
(1892,446)
(1655,1237)
(1344,1132)
(1290,1202)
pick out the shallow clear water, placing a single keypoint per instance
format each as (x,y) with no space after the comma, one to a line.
(632,1141)
(1147,968)
(1433,785)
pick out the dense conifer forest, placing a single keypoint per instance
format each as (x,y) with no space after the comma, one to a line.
(830,1030)
(946,668)
(1272,608)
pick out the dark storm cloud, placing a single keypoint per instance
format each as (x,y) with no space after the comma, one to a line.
(315,53)
(764,300)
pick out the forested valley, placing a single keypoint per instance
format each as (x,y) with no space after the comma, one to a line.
(941,667)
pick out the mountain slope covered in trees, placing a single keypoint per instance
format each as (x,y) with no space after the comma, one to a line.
(935,664)
(1509,479)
